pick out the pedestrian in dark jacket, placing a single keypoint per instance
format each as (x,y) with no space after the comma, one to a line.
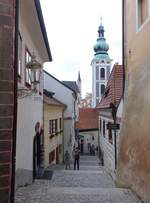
(76,158)
(67,160)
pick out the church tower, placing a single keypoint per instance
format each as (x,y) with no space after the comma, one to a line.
(79,83)
(101,65)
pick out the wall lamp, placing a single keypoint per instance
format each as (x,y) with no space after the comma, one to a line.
(34,73)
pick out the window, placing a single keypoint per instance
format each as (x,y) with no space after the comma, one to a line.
(104,128)
(142,11)
(108,72)
(19,54)
(100,125)
(102,89)
(27,59)
(110,136)
(102,73)
(97,89)
(60,148)
(97,72)
(53,126)
(60,123)
(106,91)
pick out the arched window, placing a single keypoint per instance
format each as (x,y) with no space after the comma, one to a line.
(100,125)
(102,73)
(104,128)
(97,89)
(102,89)
(97,72)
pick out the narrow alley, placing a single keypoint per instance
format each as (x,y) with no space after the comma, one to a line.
(91,184)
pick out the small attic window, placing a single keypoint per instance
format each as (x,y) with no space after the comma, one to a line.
(102,61)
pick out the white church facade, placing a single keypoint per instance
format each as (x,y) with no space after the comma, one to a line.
(101,65)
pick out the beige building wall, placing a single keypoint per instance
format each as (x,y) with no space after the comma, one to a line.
(50,144)
(134,159)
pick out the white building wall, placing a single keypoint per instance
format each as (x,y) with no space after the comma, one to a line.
(120,109)
(27,42)
(107,147)
(62,93)
(29,113)
(30,108)
(93,85)
(65,95)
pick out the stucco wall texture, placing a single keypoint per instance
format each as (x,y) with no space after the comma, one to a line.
(134,160)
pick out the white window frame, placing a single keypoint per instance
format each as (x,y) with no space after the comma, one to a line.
(139,28)
(19,54)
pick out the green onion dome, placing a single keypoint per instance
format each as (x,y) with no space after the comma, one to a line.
(101,47)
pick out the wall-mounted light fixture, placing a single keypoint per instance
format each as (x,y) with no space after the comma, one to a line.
(34,73)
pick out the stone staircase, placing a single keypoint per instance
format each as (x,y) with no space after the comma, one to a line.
(91,184)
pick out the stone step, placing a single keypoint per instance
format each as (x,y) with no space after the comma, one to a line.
(82,178)
(91,195)
(83,171)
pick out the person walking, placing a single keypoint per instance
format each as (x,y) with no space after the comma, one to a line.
(67,160)
(76,158)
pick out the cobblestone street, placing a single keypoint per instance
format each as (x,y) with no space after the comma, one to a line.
(91,184)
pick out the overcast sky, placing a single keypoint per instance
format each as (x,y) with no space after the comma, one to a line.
(72,32)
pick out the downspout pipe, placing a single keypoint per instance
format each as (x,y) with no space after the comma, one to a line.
(12,195)
(75,99)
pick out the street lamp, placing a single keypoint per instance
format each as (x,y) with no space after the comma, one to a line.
(34,73)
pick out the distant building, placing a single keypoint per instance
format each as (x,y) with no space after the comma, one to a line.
(87,130)
(53,129)
(79,83)
(86,102)
(101,64)
(76,86)
(68,96)
(112,95)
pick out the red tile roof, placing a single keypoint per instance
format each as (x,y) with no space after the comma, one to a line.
(88,119)
(114,88)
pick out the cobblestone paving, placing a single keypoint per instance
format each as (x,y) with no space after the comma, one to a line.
(91,184)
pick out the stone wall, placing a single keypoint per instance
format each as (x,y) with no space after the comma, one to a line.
(7,40)
(134,161)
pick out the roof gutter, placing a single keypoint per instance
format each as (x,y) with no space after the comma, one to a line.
(43,29)
(13,169)
(90,129)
